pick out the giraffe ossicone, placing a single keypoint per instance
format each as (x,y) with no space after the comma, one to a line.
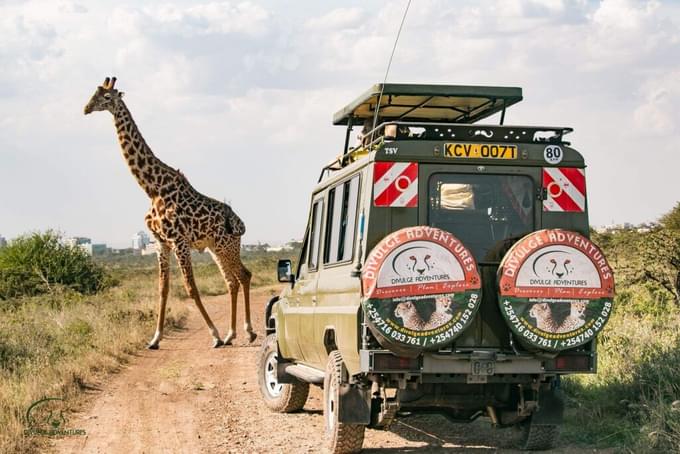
(180,219)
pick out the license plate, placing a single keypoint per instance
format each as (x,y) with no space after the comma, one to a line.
(480,151)
(482,367)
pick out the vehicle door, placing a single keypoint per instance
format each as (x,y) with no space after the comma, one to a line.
(488,210)
(288,320)
(335,314)
(304,292)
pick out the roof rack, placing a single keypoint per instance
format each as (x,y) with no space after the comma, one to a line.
(412,130)
(460,132)
(441,103)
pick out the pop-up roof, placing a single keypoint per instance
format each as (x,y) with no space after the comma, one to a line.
(436,103)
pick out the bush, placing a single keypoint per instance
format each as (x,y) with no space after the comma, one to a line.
(35,263)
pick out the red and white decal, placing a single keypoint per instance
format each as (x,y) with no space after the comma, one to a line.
(566,188)
(395,184)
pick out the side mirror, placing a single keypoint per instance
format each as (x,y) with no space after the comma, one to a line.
(284,271)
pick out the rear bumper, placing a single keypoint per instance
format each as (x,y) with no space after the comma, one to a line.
(373,361)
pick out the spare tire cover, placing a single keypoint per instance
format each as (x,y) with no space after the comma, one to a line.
(555,289)
(421,289)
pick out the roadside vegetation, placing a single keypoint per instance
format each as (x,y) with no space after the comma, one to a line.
(67,320)
(633,402)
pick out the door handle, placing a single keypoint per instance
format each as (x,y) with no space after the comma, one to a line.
(314,300)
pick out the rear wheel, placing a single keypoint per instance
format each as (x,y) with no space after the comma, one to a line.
(339,437)
(280,397)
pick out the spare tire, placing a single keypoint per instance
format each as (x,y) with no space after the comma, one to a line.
(421,289)
(555,290)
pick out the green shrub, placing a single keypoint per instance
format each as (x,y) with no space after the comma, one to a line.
(37,263)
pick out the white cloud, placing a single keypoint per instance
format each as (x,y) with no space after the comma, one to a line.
(615,15)
(341,18)
(212,18)
(660,108)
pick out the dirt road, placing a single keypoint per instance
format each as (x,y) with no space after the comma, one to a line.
(190,398)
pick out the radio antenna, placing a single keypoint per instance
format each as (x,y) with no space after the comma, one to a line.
(389,64)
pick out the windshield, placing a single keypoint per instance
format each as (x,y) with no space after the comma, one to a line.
(482,210)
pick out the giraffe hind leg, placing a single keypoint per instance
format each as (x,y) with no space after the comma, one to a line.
(226,254)
(233,284)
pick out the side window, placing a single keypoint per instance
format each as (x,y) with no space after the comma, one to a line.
(332,222)
(341,221)
(317,210)
(303,254)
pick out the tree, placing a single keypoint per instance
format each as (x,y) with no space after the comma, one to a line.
(34,263)
(660,255)
(671,220)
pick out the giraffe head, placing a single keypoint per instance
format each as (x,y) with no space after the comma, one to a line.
(105,97)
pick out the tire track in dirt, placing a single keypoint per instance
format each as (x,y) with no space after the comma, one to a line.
(188,397)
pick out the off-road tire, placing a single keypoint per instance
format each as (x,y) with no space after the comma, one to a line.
(340,438)
(539,437)
(292,396)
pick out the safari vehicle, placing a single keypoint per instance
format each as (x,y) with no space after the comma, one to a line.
(446,267)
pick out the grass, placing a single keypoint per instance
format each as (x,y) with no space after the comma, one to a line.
(62,342)
(633,402)
(59,344)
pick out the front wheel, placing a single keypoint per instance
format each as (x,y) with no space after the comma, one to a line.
(280,397)
(339,437)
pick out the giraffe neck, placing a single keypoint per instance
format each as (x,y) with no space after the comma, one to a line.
(148,170)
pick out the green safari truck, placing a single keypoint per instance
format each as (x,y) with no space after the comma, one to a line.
(446,267)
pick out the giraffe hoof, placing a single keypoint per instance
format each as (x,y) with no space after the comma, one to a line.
(152,346)
(252,337)
(218,343)
(230,337)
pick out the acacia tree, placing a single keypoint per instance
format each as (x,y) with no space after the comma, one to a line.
(660,255)
(671,220)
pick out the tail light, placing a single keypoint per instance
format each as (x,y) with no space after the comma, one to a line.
(570,363)
(387,362)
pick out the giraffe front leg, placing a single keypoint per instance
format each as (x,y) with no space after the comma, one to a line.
(183,254)
(163,286)
(245,276)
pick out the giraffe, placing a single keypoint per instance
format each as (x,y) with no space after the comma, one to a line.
(180,219)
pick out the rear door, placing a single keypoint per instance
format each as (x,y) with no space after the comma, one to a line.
(488,208)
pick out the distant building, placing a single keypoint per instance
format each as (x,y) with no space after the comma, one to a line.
(94,249)
(255,247)
(3,241)
(644,227)
(150,249)
(86,245)
(77,241)
(284,247)
(140,240)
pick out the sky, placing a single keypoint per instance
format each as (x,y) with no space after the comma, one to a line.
(240,97)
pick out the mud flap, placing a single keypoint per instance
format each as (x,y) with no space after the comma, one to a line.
(355,405)
(550,408)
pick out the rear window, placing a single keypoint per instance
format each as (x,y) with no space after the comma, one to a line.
(482,210)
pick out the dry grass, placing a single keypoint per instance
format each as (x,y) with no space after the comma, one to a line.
(60,343)
(633,403)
